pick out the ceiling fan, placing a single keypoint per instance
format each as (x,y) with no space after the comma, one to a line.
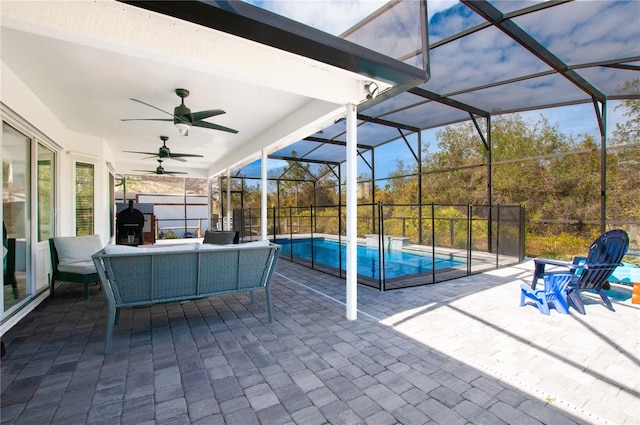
(165,153)
(160,170)
(183,118)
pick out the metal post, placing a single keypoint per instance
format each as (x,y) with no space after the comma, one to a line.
(381,261)
(489,180)
(420,188)
(601,115)
(274,225)
(352,211)
(433,243)
(291,230)
(469,237)
(498,237)
(339,223)
(184,194)
(263,203)
(311,231)
(373,189)
(209,205)
(228,199)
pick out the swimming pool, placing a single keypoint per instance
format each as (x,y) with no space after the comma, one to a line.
(397,263)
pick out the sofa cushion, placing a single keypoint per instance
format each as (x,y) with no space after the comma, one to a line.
(173,248)
(121,249)
(254,244)
(76,249)
(83,267)
(126,249)
(213,247)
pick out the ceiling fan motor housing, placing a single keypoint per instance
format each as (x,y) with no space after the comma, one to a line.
(182,115)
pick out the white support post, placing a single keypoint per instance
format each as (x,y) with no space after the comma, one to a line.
(228,199)
(263,202)
(352,210)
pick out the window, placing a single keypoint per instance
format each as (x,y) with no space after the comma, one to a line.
(84,199)
(46,194)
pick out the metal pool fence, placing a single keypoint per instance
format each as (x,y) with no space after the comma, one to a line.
(465,239)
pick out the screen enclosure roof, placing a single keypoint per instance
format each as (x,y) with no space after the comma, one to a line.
(486,58)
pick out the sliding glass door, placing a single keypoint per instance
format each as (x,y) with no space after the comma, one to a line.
(15,207)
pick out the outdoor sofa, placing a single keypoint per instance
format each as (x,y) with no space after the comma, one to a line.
(139,276)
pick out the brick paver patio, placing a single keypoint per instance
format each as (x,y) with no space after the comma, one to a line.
(452,353)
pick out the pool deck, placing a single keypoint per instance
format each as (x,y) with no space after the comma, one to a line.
(456,352)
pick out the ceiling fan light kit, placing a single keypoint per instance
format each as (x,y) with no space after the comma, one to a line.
(183,128)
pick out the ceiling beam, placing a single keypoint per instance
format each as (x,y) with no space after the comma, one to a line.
(297,159)
(449,102)
(333,142)
(387,123)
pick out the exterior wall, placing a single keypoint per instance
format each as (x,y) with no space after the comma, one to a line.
(20,101)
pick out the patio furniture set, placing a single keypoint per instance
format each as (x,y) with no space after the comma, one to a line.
(140,276)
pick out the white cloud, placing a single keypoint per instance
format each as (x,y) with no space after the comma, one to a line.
(331,16)
(437,6)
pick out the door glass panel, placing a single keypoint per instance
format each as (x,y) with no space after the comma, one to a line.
(15,196)
(46,161)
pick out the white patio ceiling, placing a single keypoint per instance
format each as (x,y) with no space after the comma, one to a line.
(84,60)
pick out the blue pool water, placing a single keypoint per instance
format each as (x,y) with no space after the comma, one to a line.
(397,263)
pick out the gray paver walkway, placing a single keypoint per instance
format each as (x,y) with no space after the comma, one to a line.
(452,353)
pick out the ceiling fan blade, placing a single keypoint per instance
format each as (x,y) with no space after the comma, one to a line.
(151,106)
(143,153)
(192,155)
(164,172)
(147,119)
(176,158)
(205,124)
(197,116)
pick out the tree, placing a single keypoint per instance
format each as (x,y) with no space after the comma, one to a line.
(623,161)
(628,131)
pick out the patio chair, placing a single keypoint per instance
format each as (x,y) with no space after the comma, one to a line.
(69,262)
(10,266)
(9,262)
(554,293)
(590,272)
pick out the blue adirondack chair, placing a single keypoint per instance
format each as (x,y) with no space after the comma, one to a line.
(590,272)
(554,293)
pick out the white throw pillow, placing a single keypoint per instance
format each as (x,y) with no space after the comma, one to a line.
(75,249)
